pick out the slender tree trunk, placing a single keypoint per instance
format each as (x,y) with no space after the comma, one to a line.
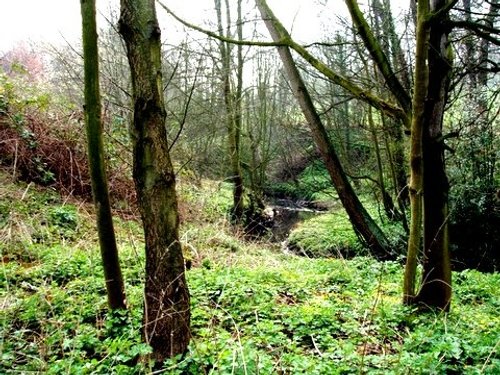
(238,202)
(363,224)
(166,305)
(393,141)
(389,208)
(384,26)
(93,123)
(436,278)
(416,150)
(344,116)
(379,56)
(470,60)
(232,101)
(484,46)
(400,161)
(396,53)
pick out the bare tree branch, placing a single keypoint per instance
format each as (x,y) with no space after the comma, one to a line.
(378,55)
(218,36)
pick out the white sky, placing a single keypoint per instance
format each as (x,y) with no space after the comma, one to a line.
(52,21)
(39,20)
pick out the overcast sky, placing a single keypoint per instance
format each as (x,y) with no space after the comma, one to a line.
(53,21)
(35,20)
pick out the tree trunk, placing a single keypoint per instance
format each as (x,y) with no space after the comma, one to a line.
(384,27)
(421,80)
(238,115)
(232,101)
(378,55)
(436,278)
(166,307)
(93,124)
(363,224)
(389,208)
(397,162)
(484,46)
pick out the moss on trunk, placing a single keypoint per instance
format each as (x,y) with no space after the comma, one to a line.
(166,305)
(93,124)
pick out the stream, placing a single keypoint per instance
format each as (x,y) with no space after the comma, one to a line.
(286,214)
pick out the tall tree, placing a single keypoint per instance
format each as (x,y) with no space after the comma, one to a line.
(233,101)
(428,183)
(93,123)
(425,114)
(421,79)
(384,27)
(362,222)
(166,322)
(436,278)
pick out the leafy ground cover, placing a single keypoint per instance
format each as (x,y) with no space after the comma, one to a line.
(255,310)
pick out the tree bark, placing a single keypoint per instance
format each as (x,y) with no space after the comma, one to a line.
(167,303)
(389,208)
(363,224)
(421,79)
(93,124)
(384,27)
(232,101)
(436,278)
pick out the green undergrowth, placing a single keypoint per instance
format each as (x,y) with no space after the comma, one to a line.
(313,184)
(332,235)
(328,235)
(255,310)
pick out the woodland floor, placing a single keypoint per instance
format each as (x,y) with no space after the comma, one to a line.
(255,309)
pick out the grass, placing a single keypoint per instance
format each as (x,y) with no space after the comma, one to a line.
(255,310)
(332,235)
(326,235)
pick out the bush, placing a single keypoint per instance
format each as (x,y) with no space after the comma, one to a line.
(475,228)
(45,144)
(313,183)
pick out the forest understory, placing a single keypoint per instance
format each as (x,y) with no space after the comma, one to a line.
(255,309)
(227,197)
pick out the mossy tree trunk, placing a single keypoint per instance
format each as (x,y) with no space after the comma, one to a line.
(93,124)
(384,27)
(390,209)
(435,290)
(428,182)
(421,79)
(166,304)
(378,56)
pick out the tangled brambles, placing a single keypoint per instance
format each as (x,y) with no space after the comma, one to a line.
(48,148)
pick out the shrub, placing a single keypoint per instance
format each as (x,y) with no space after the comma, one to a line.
(475,228)
(44,144)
